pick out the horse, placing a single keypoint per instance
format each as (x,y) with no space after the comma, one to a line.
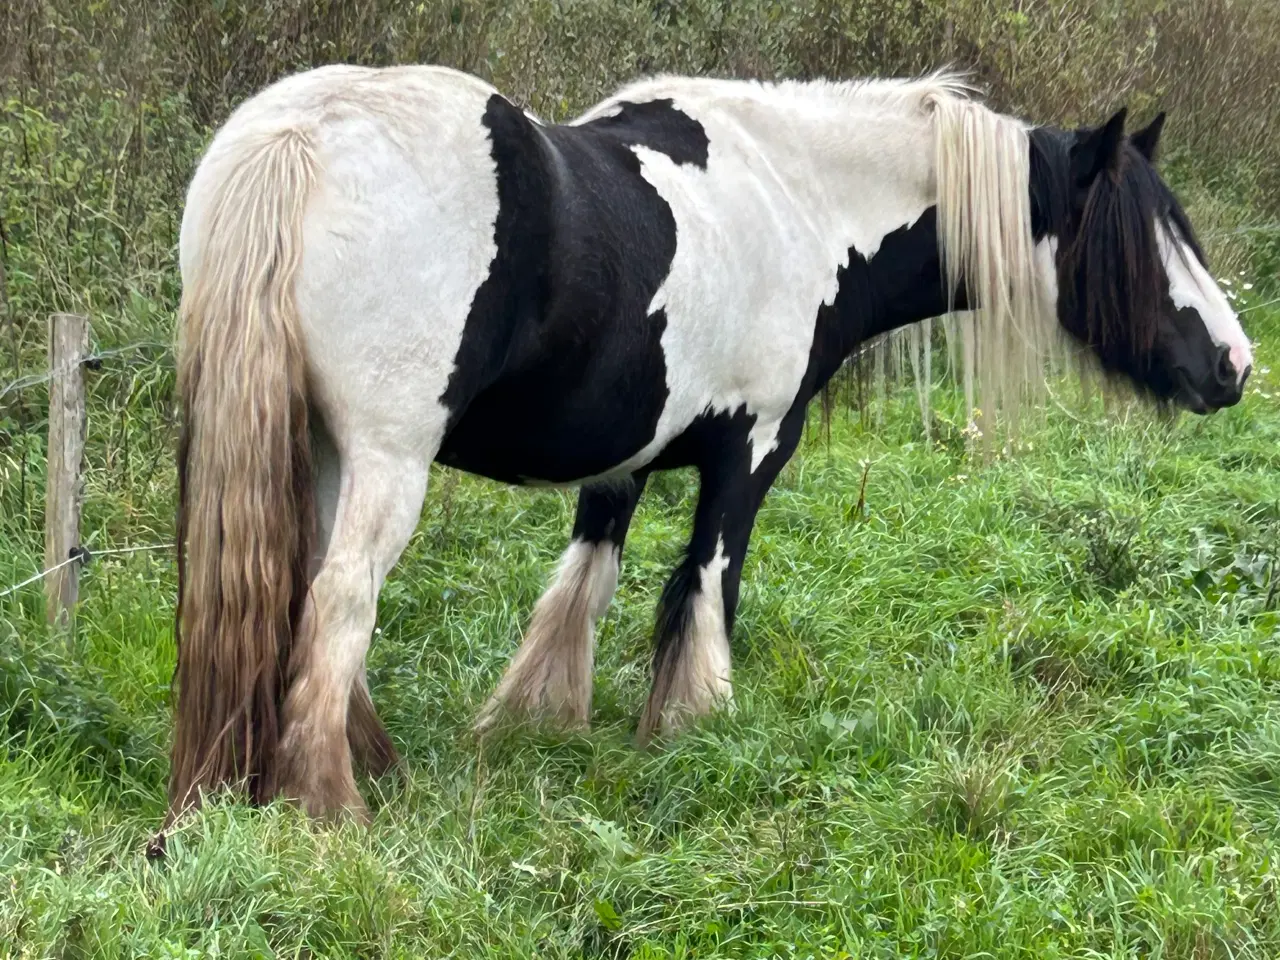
(387,268)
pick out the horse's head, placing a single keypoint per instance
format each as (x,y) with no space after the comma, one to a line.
(1132,282)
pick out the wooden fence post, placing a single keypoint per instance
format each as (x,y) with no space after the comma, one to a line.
(68,347)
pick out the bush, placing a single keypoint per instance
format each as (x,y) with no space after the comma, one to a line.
(108,105)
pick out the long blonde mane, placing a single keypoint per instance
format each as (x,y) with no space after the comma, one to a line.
(1003,348)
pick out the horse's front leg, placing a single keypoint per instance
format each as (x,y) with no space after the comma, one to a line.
(691,659)
(550,677)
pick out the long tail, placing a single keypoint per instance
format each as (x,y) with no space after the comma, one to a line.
(245,512)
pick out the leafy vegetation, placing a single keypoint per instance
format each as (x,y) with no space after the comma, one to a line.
(1021,709)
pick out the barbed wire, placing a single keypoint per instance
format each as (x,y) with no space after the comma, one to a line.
(35,379)
(84,556)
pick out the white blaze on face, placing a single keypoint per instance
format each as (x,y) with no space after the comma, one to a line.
(1191,286)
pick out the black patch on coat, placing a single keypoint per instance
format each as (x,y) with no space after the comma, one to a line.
(605,509)
(560,374)
(658,125)
(902,283)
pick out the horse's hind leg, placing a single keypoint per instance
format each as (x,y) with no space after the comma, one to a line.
(378,504)
(371,746)
(550,676)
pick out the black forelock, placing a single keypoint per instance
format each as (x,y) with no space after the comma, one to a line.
(1050,199)
(1112,282)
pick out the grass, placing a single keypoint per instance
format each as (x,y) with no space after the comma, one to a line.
(1028,709)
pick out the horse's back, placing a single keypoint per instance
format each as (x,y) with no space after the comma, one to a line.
(326,103)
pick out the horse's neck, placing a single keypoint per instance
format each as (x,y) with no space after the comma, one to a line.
(863,177)
(862,171)
(856,171)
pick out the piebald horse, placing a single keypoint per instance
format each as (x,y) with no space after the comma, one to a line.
(388,268)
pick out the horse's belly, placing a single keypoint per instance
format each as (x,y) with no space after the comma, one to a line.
(545,440)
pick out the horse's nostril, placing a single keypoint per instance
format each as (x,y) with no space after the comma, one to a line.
(1225,372)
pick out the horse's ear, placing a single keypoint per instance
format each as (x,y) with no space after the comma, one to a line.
(1146,140)
(1097,149)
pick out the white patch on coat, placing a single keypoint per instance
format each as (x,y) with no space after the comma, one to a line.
(795,176)
(709,660)
(606,561)
(1191,286)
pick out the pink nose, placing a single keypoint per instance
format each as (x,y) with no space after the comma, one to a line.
(1242,360)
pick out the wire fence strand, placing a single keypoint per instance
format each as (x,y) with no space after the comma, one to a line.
(38,576)
(84,556)
(35,379)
